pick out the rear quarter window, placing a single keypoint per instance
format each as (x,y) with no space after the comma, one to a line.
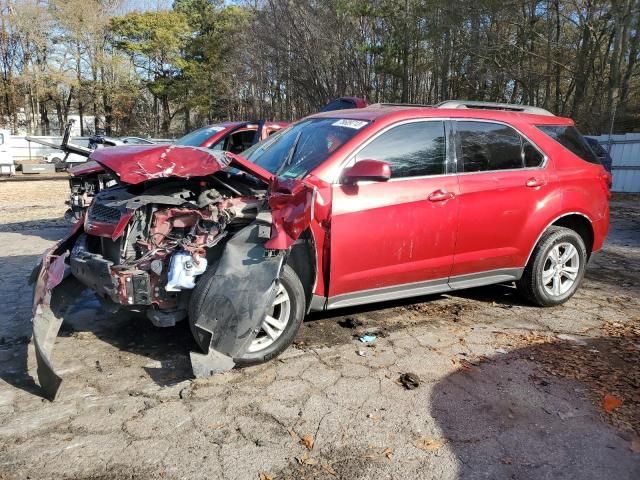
(571,139)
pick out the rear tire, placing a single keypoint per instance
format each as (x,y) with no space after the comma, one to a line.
(556,268)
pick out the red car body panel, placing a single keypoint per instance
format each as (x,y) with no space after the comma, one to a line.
(139,163)
(406,237)
(389,233)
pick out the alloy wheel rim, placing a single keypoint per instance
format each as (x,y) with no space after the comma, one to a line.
(560,270)
(274,323)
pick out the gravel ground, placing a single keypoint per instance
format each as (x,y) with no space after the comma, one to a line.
(507,391)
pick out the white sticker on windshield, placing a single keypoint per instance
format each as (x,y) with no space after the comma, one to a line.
(344,122)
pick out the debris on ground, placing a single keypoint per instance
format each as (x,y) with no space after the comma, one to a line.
(350,322)
(367,338)
(409,380)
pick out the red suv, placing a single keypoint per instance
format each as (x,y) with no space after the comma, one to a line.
(341,208)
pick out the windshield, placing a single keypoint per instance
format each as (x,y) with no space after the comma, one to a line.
(198,137)
(294,152)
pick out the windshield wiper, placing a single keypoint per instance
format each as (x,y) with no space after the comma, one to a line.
(290,154)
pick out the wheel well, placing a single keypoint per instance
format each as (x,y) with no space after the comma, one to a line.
(302,259)
(581,225)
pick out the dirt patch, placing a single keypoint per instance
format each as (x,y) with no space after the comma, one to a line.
(32,201)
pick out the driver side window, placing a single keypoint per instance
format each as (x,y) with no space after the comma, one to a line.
(412,150)
(237,142)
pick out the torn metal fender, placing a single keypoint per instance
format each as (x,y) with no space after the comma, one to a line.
(239,294)
(292,204)
(51,295)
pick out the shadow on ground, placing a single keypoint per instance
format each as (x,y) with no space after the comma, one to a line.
(526,415)
(15,327)
(533,413)
(48,229)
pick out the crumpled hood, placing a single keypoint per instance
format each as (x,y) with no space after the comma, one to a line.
(135,164)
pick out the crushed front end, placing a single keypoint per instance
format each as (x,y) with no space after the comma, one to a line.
(141,246)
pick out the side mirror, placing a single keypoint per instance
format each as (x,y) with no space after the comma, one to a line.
(367,170)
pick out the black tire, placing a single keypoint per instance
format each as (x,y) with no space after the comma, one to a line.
(293,286)
(59,163)
(531,287)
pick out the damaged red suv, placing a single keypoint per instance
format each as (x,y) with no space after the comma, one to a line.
(341,208)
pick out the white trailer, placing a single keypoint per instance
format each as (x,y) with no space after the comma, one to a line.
(7,165)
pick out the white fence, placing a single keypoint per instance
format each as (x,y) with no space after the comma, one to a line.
(625,152)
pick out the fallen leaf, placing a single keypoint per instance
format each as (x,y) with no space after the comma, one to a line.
(307,441)
(293,434)
(388,452)
(266,476)
(305,459)
(429,444)
(329,469)
(610,403)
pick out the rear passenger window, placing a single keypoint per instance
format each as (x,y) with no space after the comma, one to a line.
(412,150)
(489,146)
(532,157)
(570,138)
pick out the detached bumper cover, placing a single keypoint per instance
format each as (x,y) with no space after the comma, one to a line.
(242,289)
(51,295)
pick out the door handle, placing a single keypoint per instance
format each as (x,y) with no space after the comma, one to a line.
(535,182)
(440,196)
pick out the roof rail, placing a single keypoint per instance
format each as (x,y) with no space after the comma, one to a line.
(408,105)
(494,106)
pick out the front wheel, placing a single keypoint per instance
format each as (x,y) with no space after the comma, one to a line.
(278,328)
(59,163)
(556,268)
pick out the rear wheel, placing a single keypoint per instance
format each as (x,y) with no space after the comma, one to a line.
(556,268)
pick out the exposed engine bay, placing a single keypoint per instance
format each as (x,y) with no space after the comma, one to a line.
(145,244)
(82,189)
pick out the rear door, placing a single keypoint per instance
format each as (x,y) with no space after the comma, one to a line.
(399,232)
(502,176)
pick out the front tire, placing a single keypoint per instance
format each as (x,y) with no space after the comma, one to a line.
(59,163)
(556,268)
(280,325)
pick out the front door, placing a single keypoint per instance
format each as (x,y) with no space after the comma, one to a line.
(388,236)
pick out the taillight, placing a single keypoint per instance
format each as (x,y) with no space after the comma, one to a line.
(607,179)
